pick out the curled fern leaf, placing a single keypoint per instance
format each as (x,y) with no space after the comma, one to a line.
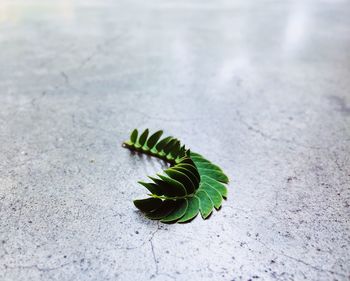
(191,185)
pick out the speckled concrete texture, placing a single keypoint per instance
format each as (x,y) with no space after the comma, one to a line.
(262,88)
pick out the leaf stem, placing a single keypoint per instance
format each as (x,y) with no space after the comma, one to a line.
(171,198)
(149,152)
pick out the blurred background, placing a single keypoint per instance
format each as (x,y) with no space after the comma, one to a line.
(261,88)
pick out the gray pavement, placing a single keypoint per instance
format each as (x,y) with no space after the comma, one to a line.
(262,88)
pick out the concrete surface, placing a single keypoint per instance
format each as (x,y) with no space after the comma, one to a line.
(261,88)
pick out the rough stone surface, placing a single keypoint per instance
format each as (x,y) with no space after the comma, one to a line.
(261,88)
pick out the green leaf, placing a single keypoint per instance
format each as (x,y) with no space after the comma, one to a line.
(151,142)
(219,176)
(213,194)
(174,151)
(177,187)
(186,160)
(198,159)
(143,138)
(168,187)
(215,184)
(153,188)
(205,204)
(147,205)
(178,212)
(190,186)
(181,154)
(160,145)
(133,136)
(192,209)
(189,174)
(183,178)
(165,209)
(169,146)
(192,169)
(194,154)
(207,165)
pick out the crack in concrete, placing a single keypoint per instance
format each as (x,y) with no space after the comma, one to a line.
(98,49)
(313,266)
(68,83)
(300,260)
(154,258)
(272,138)
(145,241)
(91,56)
